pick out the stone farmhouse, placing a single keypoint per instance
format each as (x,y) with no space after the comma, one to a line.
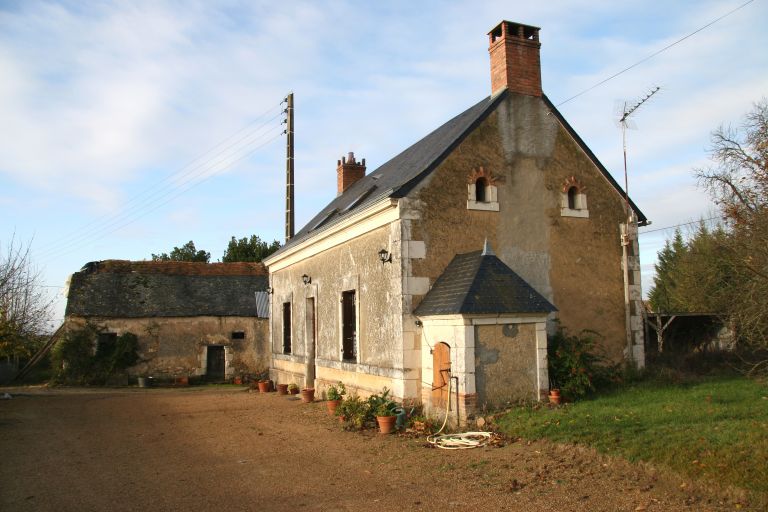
(191,319)
(444,269)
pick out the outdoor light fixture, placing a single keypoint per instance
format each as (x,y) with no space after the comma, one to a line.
(306,279)
(270,290)
(385,256)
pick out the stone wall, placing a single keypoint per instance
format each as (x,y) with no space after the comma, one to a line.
(174,347)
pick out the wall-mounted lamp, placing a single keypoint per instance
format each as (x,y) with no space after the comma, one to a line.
(418,323)
(270,290)
(306,279)
(385,256)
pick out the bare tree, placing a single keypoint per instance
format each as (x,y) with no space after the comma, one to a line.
(738,181)
(25,307)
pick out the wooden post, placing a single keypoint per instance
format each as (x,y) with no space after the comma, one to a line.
(289,210)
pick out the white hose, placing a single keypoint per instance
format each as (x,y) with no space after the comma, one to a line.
(461,441)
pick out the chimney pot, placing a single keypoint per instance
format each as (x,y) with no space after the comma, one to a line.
(348,172)
(515,59)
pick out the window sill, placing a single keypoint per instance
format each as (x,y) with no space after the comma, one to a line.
(567,212)
(491,206)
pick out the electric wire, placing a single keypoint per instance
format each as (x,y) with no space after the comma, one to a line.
(649,57)
(679,225)
(179,192)
(171,181)
(182,180)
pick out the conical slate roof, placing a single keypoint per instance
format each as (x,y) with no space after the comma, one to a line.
(479,283)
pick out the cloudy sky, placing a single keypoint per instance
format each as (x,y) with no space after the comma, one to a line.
(128,128)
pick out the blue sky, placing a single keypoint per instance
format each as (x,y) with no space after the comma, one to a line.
(104,106)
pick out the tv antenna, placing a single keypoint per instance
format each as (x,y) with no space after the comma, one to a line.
(626,111)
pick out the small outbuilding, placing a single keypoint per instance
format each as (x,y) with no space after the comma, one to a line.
(191,319)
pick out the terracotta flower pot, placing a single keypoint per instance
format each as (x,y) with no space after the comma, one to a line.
(332,405)
(554,396)
(264,386)
(282,389)
(293,391)
(386,423)
(308,395)
(238,381)
(182,381)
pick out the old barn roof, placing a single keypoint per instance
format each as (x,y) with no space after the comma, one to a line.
(134,289)
(479,283)
(399,175)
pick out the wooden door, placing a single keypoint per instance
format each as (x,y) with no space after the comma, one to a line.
(441,374)
(311,338)
(215,363)
(349,326)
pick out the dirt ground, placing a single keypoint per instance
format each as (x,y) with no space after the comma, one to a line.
(198,449)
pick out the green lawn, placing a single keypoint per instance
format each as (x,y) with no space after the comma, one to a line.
(715,429)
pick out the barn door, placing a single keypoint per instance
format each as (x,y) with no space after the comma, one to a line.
(441,374)
(215,363)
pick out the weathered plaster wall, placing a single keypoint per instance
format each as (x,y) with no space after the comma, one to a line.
(505,364)
(176,346)
(350,266)
(574,262)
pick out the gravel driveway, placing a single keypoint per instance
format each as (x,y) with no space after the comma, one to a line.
(199,449)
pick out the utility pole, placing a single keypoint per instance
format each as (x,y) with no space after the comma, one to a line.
(289,209)
(630,228)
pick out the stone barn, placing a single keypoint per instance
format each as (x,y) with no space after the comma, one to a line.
(191,319)
(446,267)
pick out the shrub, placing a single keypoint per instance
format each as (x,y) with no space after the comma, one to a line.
(74,361)
(337,391)
(355,411)
(575,367)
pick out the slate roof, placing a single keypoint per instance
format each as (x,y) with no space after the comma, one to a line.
(399,175)
(476,283)
(124,289)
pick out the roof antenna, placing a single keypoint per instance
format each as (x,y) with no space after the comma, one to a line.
(487,251)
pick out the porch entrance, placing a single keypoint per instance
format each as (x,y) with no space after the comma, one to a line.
(214,367)
(441,374)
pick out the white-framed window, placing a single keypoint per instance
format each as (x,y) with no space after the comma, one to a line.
(482,193)
(573,199)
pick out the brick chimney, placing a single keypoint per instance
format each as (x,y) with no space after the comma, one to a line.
(348,171)
(515,62)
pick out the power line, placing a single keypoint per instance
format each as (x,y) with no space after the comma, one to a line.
(679,225)
(179,193)
(176,179)
(649,57)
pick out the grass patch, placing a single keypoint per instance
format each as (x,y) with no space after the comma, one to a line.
(715,429)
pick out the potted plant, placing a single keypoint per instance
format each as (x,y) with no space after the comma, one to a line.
(238,381)
(335,394)
(293,389)
(308,395)
(354,412)
(264,386)
(383,408)
(554,396)
(282,389)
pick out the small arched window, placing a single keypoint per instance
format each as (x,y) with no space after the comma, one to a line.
(480,186)
(572,198)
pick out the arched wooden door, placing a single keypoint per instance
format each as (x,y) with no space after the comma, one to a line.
(441,374)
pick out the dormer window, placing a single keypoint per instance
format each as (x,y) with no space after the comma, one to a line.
(481,191)
(573,200)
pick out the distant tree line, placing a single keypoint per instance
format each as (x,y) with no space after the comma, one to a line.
(725,270)
(252,249)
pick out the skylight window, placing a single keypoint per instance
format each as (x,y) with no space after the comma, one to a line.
(360,198)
